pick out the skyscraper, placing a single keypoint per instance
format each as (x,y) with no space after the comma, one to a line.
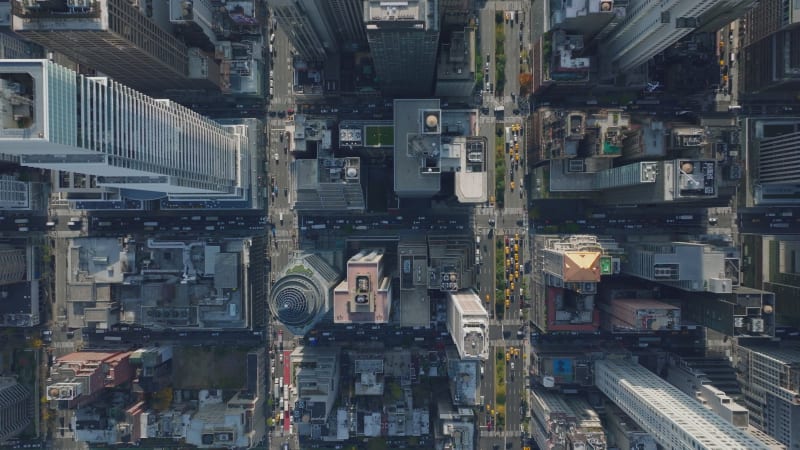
(769,378)
(769,44)
(96,126)
(347,19)
(118,38)
(652,26)
(16,408)
(776,140)
(403,38)
(308,27)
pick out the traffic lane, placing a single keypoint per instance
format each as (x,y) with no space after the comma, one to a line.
(281,67)
(515,393)
(279,168)
(512,51)
(126,334)
(22,223)
(760,224)
(182,225)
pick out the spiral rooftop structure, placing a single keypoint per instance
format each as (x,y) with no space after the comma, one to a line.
(303,293)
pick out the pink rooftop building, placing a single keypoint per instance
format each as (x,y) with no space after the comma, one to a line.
(366,295)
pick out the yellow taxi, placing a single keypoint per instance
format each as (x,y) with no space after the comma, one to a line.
(516,157)
(516,237)
(516,275)
(507,250)
(508,356)
(516,257)
(488,299)
(516,247)
(508,293)
(508,304)
(512,283)
(511,185)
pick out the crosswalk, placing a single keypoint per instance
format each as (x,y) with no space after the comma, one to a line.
(490,434)
(509,322)
(518,211)
(506,342)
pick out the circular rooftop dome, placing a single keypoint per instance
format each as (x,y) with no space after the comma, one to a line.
(431,121)
(687,167)
(296,300)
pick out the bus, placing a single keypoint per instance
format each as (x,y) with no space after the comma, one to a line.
(112,338)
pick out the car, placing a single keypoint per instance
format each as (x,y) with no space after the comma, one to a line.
(712,220)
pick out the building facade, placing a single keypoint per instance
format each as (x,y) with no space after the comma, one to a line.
(347,20)
(777,140)
(674,419)
(770,38)
(308,27)
(455,71)
(115,36)
(16,408)
(403,39)
(685,265)
(13,266)
(96,126)
(678,180)
(770,381)
(648,28)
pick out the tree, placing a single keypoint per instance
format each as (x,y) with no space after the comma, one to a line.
(162,399)
(525,82)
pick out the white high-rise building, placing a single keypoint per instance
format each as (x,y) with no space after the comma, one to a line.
(53,118)
(650,27)
(675,420)
(468,324)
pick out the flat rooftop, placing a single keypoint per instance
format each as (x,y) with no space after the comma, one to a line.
(416,153)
